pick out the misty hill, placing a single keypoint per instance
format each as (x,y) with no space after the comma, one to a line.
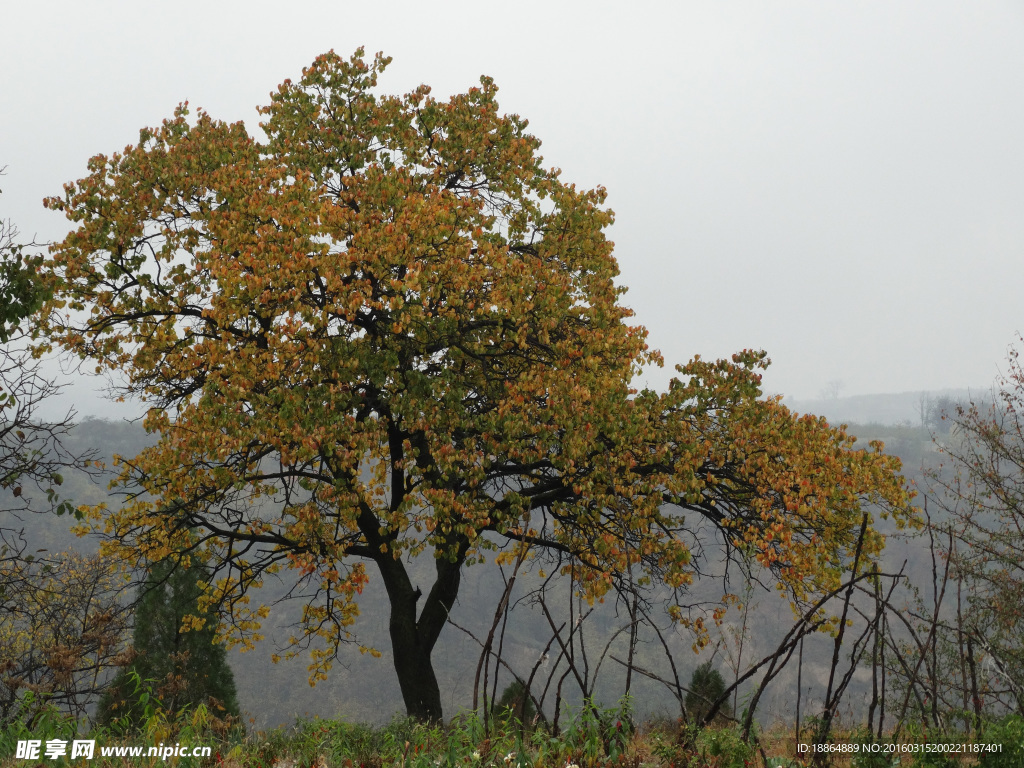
(277,693)
(903,408)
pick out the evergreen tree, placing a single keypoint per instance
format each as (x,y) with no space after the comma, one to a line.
(706,686)
(184,668)
(515,703)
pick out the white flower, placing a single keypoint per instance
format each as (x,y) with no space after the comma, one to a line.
(476,754)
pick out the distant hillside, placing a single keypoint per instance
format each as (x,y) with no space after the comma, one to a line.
(902,408)
(273,694)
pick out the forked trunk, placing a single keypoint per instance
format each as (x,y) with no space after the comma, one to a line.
(413,638)
(415,671)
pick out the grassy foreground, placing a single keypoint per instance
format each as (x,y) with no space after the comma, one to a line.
(592,738)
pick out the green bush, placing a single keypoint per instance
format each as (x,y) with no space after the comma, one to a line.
(938,759)
(868,759)
(1009,734)
(726,746)
(35,718)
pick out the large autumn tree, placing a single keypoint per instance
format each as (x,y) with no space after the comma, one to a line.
(388,330)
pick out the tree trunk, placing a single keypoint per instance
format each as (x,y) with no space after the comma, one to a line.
(420,691)
(413,639)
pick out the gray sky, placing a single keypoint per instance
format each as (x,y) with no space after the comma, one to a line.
(840,184)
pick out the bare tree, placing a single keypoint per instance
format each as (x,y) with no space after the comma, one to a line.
(832,389)
(983,497)
(61,625)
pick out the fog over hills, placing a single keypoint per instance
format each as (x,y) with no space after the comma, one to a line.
(902,408)
(275,694)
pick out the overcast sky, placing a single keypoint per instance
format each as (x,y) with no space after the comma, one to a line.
(840,184)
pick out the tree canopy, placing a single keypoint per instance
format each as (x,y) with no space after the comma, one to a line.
(388,330)
(21,290)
